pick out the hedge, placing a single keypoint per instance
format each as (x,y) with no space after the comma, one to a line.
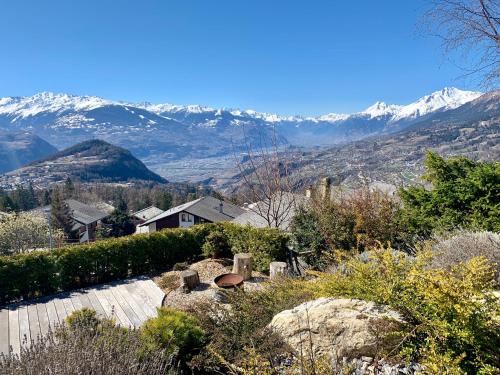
(45,272)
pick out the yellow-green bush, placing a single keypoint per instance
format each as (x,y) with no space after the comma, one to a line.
(174,331)
(452,313)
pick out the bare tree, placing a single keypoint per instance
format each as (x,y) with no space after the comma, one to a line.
(268,183)
(471,28)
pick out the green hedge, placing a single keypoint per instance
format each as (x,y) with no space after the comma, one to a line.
(44,272)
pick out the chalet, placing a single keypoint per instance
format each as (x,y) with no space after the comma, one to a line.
(85,217)
(276,212)
(141,216)
(202,210)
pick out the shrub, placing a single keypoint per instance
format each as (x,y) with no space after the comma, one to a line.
(182,266)
(450,250)
(464,194)
(265,244)
(80,351)
(24,232)
(234,332)
(452,313)
(216,245)
(350,222)
(174,331)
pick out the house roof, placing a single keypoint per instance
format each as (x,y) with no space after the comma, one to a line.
(148,213)
(284,208)
(80,212)
(208,208)
(83,213)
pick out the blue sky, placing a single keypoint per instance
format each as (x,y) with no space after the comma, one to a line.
(286,57)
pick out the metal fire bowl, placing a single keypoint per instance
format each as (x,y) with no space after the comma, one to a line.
(228,281)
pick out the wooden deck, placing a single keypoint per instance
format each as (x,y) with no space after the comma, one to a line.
(130,302)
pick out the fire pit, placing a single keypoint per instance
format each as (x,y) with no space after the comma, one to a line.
(228,281)
(224,284)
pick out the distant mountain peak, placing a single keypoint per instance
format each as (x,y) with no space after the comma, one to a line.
(381,109)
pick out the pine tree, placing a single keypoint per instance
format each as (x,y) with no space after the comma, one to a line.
(61,215)
(69,188)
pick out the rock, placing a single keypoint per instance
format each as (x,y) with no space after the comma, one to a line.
(337,327)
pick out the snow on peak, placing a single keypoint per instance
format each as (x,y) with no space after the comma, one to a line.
(381,109)
(447,98)
(333,117)
(22,107)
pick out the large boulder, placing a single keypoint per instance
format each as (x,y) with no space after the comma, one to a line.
(338,327)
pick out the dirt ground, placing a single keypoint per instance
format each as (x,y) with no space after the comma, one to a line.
(208,270)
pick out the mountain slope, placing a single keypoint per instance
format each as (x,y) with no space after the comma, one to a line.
(471,130)
(17,149)
(93,160)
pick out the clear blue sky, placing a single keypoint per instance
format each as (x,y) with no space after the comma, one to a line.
(281,56)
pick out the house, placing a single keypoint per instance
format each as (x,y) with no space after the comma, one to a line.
(85,217)
(202,210)
(276,212)
(141,216)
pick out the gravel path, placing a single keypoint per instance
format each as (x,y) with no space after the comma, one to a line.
(208,270)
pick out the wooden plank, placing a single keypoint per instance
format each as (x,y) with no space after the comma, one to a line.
(14,338)
(106,305)
(131,315)
(142,298)
(61,309)
(95,303)
(68,305)
(77,302)
(136,307)
(24,326)
(35,331)
(53,318)
(152,290)
(120,314)
(43,317)
(85,300)
(4,331)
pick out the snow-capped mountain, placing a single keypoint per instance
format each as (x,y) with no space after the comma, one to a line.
(160,132)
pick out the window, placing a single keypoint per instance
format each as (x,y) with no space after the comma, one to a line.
(183,217)
(190,218)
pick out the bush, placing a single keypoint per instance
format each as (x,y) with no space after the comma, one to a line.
(464,194)
(265,244)
(174,331)
(234,332)
(78,350)
(350,222)
(216,245)
(464,245)
(44,272)
(452,313)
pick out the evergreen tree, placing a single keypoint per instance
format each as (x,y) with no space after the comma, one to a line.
(69,188)
(121,224)
(464,194)
(164,200)
(61,215)
(6,203)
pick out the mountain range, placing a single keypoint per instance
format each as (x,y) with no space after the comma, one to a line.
(396,159)
(194,142)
